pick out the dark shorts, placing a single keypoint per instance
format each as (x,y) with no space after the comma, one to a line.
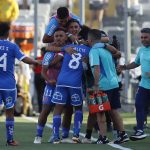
(114,98)
(142,99)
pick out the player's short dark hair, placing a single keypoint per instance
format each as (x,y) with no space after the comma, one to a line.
(71,21)
(4,28)
(62,12)
(145,30)
(84,32)
(60,29)
(95,34)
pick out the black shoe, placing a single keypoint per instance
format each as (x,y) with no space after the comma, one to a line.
(122,138)
(12,143)
(101,140)
(138,135)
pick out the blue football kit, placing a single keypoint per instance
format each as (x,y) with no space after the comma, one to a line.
(69,81)
(48,91)
(68,87)
(8,52)
(52,74)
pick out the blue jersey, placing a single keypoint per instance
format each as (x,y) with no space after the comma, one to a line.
(103,58)
(72,69)
(143,59)
(53,24)
(8,52)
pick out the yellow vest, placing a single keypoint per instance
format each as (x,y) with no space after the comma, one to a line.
(9,10)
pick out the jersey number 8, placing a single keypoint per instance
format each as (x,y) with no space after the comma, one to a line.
(75,61)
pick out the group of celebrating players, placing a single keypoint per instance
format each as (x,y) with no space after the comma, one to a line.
(73,50)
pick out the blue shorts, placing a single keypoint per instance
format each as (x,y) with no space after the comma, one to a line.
(8,97)
(142,99)
(114,98)
(48,94)
(67,95)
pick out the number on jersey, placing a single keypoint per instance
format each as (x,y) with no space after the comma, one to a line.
(3,61)
(75,61)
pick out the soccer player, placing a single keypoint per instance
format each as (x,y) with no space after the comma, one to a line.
(58,20)
(73,27)
(51,66)
(8,52)
(105,79)
(142,99)
(69,90)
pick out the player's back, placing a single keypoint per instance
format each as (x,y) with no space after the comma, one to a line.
(108,77)
(72,69)
(8,52)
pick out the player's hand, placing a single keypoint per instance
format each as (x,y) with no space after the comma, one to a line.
(50,48)
(52,82)
(85,59)
(83,42)
(70,50)
(38,62)
(52,44)
(74,39)
(120,68)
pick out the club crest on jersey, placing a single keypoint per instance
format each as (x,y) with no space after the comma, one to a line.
(9,100)
(75,98)
(58,96)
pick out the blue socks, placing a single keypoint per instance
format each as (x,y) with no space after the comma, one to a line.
(9,129)
(65,132)
(39,130)
(78,117)
(56,125)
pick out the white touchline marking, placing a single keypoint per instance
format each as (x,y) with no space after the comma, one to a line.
(81,134)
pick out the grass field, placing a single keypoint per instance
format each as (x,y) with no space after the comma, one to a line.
(25,130)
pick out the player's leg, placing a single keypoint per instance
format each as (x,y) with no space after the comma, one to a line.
(140,103)
(66,123)
(101,119)
(59,98)
(9,98)
(46,108)
(77,100)
(108,121)
(91,121)
(113,96)
(78,118)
